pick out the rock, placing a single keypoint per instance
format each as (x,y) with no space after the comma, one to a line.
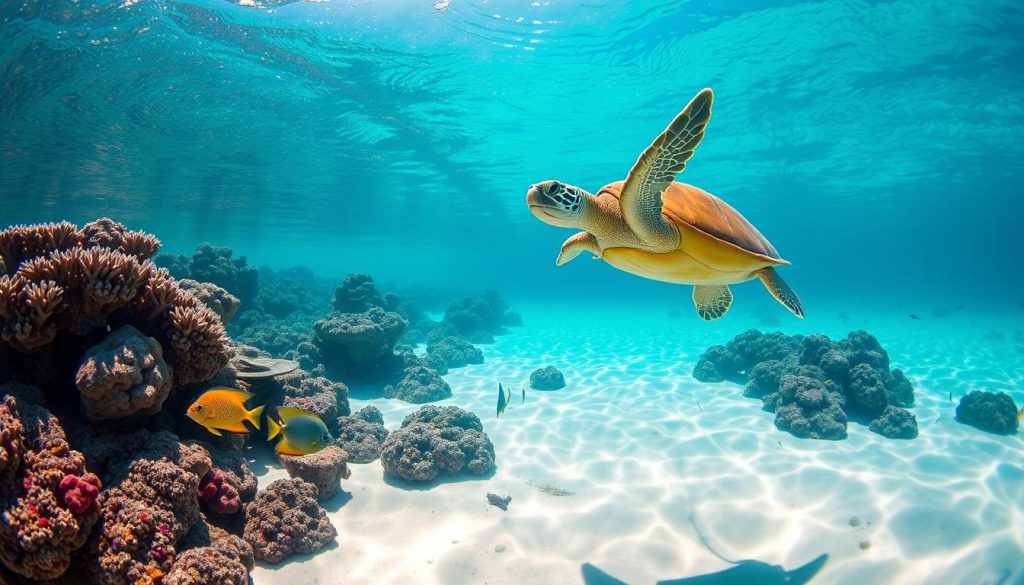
(547,378)
(988,411)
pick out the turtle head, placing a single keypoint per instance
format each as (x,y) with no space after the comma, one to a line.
(556,203)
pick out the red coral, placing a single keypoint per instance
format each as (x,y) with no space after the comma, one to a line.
(217,494)
(79,493)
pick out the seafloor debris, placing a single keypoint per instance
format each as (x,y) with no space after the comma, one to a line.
(814,384)
(435,440)
(499,501)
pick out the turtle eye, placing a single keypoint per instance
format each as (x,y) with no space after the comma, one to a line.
(552,189)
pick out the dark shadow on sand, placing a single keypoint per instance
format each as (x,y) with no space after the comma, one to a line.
(298,558)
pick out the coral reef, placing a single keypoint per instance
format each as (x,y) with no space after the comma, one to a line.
(362,434)
(358,294)
(274,337)
(325,469)
(211,556)
(419,384)
(47,496)
(124,375)
(435,440)
(454,352)
(359,346)
(809,408)
(218,300)
(547,378)
(486,313)
(66,284)
(217,494)
(994,412)
(214,264)
(895,423)
(286,519)
(855,368)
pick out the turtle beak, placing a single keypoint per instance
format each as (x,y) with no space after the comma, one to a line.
(535,197)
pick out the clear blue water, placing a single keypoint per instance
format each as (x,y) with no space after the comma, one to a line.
(878,145)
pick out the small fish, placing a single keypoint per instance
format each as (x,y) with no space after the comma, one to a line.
(699,408)
(223,409)
(524,396)
(301,431)
(1020,415)
(951,396)
(914,317)
(504,396)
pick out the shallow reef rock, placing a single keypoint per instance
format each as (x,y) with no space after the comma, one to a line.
(895,423)
(419,384)
(325,469)
(435,440)
(65,285)
(217,299)
(358,294)
(855,368)
(454,352)
(124,375)
(547,378)
(809,408)
(485,314)
(362,434)
(215,264)
(359,346)
(47,496)
(994,412)
(285,519)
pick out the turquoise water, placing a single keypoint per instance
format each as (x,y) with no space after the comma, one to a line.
(876,144)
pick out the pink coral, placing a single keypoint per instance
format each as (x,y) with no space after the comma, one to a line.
(220,496)
(79,493)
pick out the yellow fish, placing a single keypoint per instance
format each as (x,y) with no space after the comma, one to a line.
(223,409)
(301,431)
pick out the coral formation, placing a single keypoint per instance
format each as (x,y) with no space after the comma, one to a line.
(47,496)
(214,264)
(454,352)
(325,469)
(358,294)
(547,378)
(217,494)
(994,412)
(419,384)
(362,434)
(486,313)
(359,345)
(218,300)
(66,283)
(286,519)
(124,375)
(895,423)
(809,408)
(435,440)
(856,369)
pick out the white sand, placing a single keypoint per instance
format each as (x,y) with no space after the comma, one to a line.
(644,447)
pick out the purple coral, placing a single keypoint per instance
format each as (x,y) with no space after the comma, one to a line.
(79,493)
(217,494)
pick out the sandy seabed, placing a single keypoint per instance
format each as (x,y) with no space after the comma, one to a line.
(646,473)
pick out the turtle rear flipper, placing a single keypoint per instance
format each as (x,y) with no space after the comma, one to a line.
(712,300)
(781,291)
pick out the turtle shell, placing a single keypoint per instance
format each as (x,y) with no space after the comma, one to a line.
(686,204)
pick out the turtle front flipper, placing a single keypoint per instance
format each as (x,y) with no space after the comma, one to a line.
(640,202)
(781,291)
(712,300)
(577,244)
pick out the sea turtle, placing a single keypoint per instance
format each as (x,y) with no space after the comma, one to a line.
(652,226)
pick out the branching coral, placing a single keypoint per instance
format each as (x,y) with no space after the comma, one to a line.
(47,496)
(83,281)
